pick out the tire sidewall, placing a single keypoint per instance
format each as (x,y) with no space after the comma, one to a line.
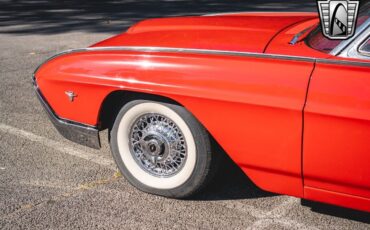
(202,152)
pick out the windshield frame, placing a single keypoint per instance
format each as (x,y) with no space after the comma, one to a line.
(346,43)
(352,50)
(361,46)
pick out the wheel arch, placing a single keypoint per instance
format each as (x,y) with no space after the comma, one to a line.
(115,100)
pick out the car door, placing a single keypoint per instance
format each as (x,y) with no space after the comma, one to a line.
(336,146)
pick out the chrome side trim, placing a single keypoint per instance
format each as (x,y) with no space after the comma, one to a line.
(204,51)
(178,50)
(344,62)
(55,56)
(257,12)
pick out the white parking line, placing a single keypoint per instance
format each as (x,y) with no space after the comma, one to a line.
(283,222)
(61,147)
(293,224)
(264,218)
(278,212)
(243,208)
(282,209)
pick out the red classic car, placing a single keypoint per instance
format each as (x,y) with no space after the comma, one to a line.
(290,107)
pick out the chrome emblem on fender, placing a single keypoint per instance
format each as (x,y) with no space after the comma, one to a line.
(338,18)
(71,95)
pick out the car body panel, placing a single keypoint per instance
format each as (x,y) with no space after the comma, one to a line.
(337,130)
(260,98)
(336,198)
(271,105)
(280,44)
(247,33)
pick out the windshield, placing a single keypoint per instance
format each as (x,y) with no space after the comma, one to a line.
(318,41)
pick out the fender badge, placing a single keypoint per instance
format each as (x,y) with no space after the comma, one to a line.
(71,95)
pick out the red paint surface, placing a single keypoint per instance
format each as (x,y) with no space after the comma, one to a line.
(337,132)
(254,113)
(248,32)
(252,106)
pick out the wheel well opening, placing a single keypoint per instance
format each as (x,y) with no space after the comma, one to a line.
(113,103)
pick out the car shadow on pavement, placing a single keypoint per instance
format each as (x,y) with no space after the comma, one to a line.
(230,183)
(332,210)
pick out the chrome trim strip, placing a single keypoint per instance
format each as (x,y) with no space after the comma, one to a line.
(344,62)
(55,56)
(363,43)
(344,44)
(179,50)
(353,50)
(204,51)
(258,12)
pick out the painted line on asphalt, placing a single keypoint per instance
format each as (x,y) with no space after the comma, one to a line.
(278,212)
(283,222)
(281,209)
(264,219)
(293,224)
(61,147)
(243,208)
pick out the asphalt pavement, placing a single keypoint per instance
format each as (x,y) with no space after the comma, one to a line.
(47,182)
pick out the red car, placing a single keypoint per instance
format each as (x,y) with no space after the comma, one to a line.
(290,107)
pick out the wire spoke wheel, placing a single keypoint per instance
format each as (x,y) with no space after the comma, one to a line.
(162,149)
(158,145)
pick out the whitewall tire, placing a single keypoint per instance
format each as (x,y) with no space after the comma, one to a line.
(161,148)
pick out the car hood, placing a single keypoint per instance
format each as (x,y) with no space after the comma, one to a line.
(247,32)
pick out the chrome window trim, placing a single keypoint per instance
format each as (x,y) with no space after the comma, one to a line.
(344,45)
(364,52)
(352,51)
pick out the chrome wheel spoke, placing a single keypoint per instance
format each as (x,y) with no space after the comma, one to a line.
(158,145)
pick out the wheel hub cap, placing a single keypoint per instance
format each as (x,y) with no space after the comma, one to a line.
(158,145)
